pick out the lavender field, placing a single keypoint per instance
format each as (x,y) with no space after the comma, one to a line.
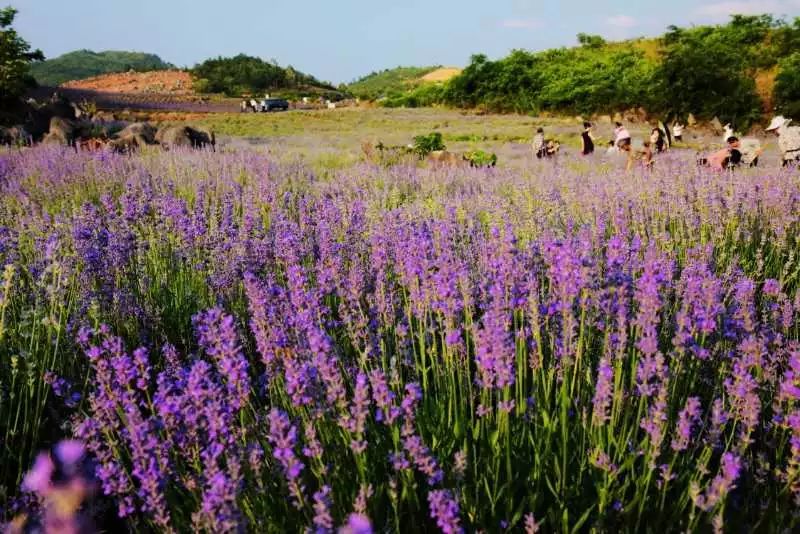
(235,341)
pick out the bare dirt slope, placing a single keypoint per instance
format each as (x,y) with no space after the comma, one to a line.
(174,82)
(441,75)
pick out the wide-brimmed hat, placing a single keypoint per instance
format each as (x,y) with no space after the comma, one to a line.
(777,122)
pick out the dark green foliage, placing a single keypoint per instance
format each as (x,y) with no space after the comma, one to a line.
(591,41)
(425,144)
(389,83)
(706,70)
(479,158)
(582,80)
(709,70)
(83,64)
(787,86)
(243,74)
(15,58)
(425,95)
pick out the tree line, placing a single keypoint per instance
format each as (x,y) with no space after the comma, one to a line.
(736,71)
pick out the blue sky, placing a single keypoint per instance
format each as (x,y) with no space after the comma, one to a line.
(340,40)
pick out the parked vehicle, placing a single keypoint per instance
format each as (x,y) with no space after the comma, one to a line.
(274,104)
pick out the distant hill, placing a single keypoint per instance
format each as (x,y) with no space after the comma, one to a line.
(389,82)
(175,82)
(249,75)
(86,63)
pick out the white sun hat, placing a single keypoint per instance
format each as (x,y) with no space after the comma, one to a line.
(777,122)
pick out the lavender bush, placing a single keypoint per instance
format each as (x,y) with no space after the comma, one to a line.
(243,345)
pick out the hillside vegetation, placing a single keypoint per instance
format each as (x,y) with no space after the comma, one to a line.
(85,64)
(389,83)
(243,74)
(737,71)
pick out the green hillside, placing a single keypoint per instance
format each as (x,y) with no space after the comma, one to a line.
(389,82)
(243,74)
(86,63)
(737,72)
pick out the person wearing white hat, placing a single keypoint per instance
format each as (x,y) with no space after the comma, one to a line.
(788,138)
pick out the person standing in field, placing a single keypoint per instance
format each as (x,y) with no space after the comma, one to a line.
(647,155)
(788,139)
(587,140)
(657,139)
(539,145)
(677,131)
(621,136)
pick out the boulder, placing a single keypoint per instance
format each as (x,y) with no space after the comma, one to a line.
(716,125)
(128,144)
(14,136)
(603,119)
(185,136)
(144,129)
(446,158)
(691,121)
(63,131)
(203,137)
(173,136)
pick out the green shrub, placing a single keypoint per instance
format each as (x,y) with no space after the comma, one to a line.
(479,158)
(243,74)
(425,144)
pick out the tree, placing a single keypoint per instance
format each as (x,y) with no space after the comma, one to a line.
(591,41)
(708,71)
(787,86)
(15,59)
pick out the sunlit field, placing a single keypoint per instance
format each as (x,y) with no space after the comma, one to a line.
(280,335)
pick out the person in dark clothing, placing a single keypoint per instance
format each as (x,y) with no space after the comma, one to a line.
(657,139)
(734,158)
(539,144)
(587,141)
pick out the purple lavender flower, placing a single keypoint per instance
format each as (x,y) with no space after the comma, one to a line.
(383,398)
(283,437)
(355,422)
(217,335)
(444,509)
(603,392)
(531,526)
(322,515)
(357,524)
(745,404)
(723,483)
(38,479)
(772,287)
(423,459)
(689,415)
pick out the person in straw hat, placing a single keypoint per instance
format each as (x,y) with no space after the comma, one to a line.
(788,138)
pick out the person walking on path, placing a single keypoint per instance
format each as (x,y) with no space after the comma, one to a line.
(587,140)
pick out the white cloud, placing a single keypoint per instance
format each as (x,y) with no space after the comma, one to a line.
(526,24)
(722,10)
(621,21)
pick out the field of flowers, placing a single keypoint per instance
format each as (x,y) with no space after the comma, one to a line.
(231,342)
